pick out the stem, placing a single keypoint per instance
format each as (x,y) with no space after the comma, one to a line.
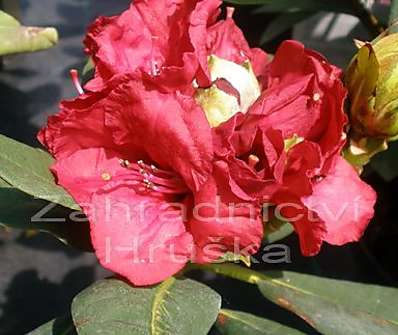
(367,18)
(394,16)
(241,273)
(232,271)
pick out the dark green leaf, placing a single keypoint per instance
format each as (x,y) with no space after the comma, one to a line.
(27,169)
(175,307)
(335,307)
(21,211)
(15,38)
(275,232)
(282,23)
(240,323)
(59,326)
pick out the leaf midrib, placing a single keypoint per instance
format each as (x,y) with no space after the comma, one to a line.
(158,301)
(284,284)
(236,317)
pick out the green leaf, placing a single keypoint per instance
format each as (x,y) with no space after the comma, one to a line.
(59,326)
(284,231)
(27,169)
(282,23)
(15,38)
(335,307)
(239,323)
(175,307)
(21,211)
(3,183)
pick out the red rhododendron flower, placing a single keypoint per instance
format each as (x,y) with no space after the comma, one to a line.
(138,157)
(287,151)
(183,119)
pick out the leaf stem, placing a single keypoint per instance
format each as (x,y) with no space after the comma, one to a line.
(370,21)
(231,270)
(243,274)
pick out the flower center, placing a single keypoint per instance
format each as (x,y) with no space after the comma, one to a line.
(149,178)
(292,142)
(252,161)
(220,105)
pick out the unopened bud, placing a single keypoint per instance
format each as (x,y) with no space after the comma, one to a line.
(372,81)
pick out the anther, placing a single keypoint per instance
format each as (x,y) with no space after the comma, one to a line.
(124,163)
(316,97)
(155,70)
(318,179)
(106,176)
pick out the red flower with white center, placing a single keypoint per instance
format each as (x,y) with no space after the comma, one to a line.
(183,119)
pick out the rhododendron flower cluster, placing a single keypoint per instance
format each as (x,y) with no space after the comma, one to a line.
(185,133)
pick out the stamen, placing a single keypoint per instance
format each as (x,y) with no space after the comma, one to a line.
(253,160)
(155,70)
(124,163)
(318,179)
(154,65)
(76,82)
(155,179)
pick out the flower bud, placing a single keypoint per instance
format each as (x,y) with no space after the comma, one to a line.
(372,81)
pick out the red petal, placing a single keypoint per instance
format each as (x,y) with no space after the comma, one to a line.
(79,124)
(152,37)
(138,237)
(171,128)
(311,231)
(344,202)
(84,172)
(305,96)
(222,222)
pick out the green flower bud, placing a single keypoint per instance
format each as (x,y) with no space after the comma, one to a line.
(372,81)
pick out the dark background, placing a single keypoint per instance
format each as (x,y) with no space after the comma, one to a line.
(39,275)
